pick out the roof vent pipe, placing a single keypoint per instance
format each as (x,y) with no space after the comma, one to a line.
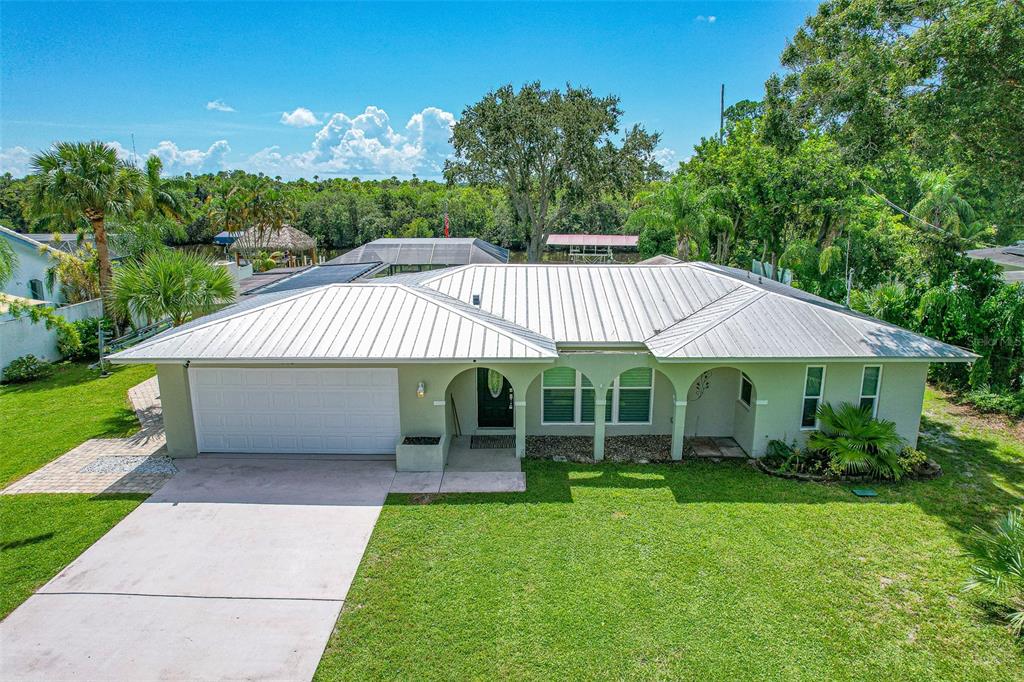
(476,299)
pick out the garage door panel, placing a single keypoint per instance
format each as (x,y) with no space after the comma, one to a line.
(345,411)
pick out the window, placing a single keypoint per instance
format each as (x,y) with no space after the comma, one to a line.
(746,389)
(870,385)
(814,388)
(570,398)
(35,288)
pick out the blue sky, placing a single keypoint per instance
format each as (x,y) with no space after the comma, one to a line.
(361,89)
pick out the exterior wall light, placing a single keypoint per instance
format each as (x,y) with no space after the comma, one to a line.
(421,390)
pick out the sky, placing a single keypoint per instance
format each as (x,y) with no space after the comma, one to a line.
(359,89)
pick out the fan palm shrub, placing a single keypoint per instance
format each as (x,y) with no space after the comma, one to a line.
(998,569)
(171,284)
(856,442)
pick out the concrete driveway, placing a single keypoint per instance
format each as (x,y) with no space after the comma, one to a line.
(235,569)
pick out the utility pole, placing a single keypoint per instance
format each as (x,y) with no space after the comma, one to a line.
(721,116)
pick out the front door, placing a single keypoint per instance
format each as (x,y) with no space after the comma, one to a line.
(493,405)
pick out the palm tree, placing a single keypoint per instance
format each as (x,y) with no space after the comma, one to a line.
(856,442)
(8,262)
(171,284)
(159,197)
(77,180)
(942,206)
(998,570)
(679,205)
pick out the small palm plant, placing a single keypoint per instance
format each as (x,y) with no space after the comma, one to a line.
(856,442)
(171,284)
(998,570)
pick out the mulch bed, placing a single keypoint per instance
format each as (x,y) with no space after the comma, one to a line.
(929,470)
(638,449)
(421,440)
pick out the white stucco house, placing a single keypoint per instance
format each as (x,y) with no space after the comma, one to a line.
(679,350)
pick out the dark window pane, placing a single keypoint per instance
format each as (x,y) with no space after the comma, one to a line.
(870,386)
(746,390)
(814,377)
(587,404)
(559,405)
(868,403)
(808,419)
(634,405)
(560,376)
(639,377)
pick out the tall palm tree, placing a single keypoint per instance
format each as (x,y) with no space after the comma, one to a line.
(77,180)
(681,206)
(171,284)
(8,262)
(942,206)
(159,197)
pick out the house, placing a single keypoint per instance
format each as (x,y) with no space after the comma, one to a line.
(1009,258)
(33,260)
(425,253)
(686,350)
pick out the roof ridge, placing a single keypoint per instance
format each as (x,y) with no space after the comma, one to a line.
(687,317)
(756,297)
(475,318)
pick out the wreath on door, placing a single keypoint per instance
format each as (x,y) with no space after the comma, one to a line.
(495,382)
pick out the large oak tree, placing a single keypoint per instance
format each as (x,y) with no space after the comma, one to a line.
(549,150)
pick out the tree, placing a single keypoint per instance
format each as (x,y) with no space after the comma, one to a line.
(170,283)
(548,150)
(76,180)
(681,207)
(76,274)
(8,262)
(159,197)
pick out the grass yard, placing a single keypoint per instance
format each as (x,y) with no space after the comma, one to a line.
(689,571)
(44,419)
(41,534)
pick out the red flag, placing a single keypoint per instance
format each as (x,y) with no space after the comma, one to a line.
(446,225)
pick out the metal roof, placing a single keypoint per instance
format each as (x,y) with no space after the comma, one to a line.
(426,251)
(312,276)
(1008,256)
(614,240)
(345,322)
(686,312)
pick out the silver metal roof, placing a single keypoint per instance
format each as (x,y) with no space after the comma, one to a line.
(685,312)
(345,322)
(426,251)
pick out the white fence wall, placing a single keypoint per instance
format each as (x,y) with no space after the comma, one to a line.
(23,337)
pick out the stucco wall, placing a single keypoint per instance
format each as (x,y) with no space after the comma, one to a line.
(31,265)
(20,336)
(778,390)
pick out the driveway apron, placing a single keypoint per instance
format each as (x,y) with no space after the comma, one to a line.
(236,569)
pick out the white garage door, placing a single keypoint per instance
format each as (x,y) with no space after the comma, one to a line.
(344,411)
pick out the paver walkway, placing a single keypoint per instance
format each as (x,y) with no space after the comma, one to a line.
(135,464)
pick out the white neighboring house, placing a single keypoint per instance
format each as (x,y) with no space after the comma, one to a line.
(20,336)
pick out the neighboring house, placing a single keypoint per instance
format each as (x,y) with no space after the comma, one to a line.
(681,350)
(1009,258)
(415,254)
(290,279)
(29,280)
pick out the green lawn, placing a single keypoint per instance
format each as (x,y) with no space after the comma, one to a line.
(41,420)
(41,534)
(689,571)
(44,419)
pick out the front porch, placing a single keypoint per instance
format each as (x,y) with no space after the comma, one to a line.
(467,470)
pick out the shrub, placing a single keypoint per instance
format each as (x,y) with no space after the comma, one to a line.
(26,368)
(1009,403)
(856,442)
(791,460)
(911,458)
(998,569)
(88,336)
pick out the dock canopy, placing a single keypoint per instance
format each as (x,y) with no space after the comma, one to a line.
(614,241)
(285,239)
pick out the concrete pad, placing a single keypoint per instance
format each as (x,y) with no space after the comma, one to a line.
(236,569)
(417,482)
(116,637)
(483,482)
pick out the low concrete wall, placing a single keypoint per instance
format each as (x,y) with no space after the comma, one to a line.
(21,336)
(238,272)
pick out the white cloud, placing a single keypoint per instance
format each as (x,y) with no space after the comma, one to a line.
(666,157)
(300,118)
(218,105)
(177,160)
(15,160)
(125,154)
(709,19)
(367,144)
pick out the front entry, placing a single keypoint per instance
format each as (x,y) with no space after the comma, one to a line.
(493,400)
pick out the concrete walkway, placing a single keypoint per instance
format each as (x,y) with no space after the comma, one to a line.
(236,569)
(135,464)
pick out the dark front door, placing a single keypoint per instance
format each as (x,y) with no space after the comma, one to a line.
(492,410)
